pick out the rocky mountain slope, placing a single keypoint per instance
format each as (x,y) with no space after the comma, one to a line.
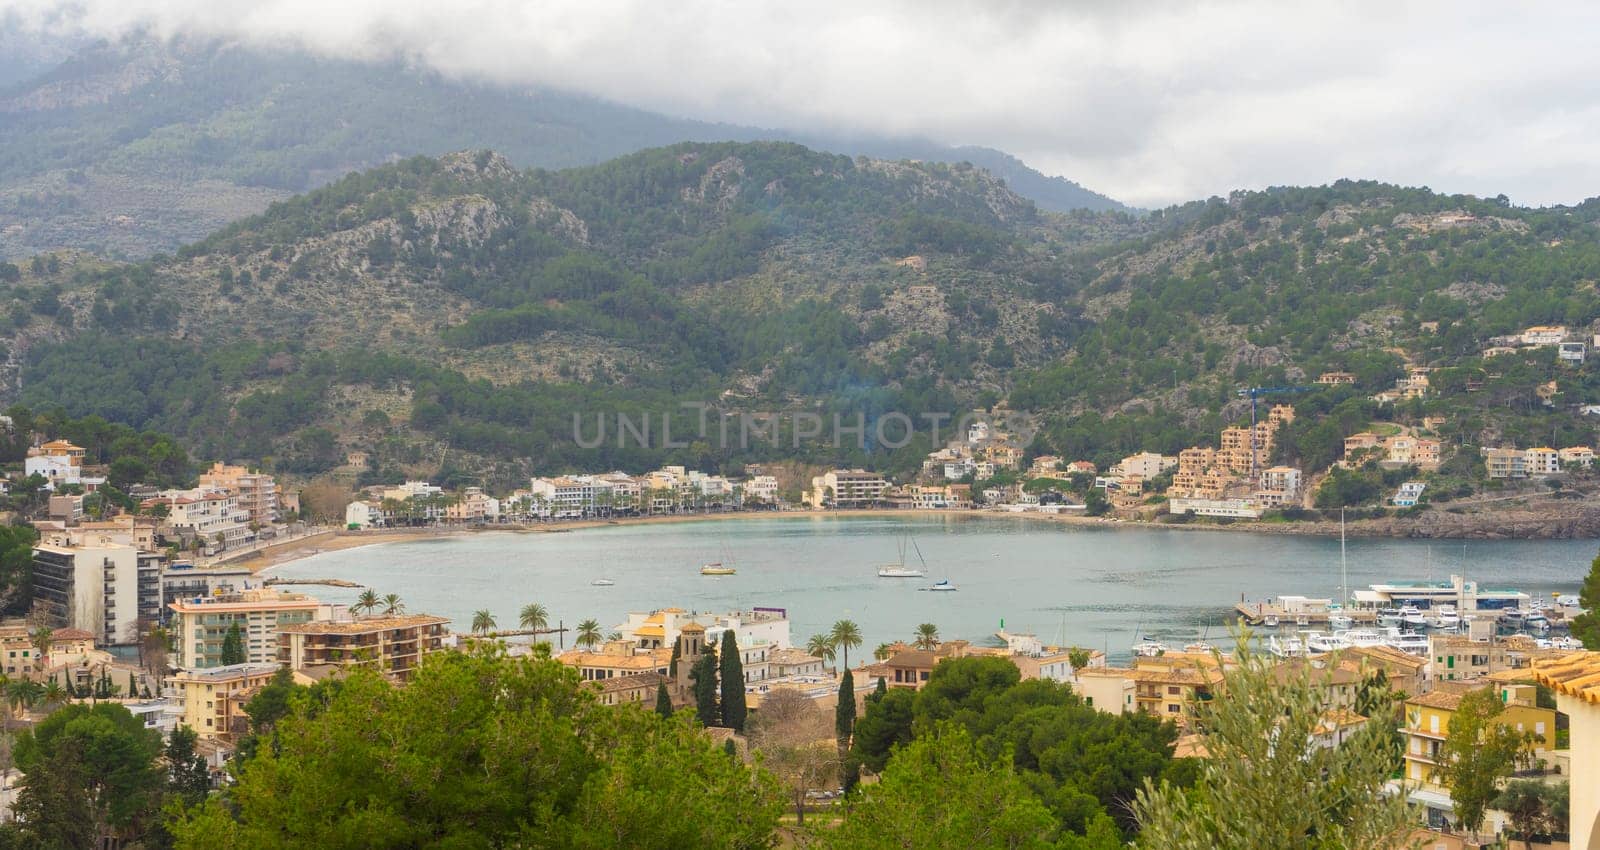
(133,148)
(454,313)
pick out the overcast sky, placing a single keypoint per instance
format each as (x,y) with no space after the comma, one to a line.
(1150,103)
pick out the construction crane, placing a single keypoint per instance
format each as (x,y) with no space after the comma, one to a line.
(1254,393)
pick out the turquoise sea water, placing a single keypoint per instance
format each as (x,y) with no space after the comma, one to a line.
(1070,584)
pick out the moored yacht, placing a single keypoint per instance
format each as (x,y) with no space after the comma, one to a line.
(1286,646)
(1411,615)
(899,571)
(1446,619)
(716,569)
(1149,648)
(1324,642)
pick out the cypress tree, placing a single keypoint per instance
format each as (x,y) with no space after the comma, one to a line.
(704,676)
(879,691)
(844,716)
(233,646)
(844,724)
(663,700)
(133,686)
(733,707)
(730,748)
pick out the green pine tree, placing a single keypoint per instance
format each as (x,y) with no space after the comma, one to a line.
(1586,627)
(733,706)
(233,646)
(704,679)
(663,700)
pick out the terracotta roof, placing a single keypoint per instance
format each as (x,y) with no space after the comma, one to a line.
(913,658)
(1576,674)
(792,656)
(629,682)
(363,625)
(1338,718)
(1445,698)
(70,634)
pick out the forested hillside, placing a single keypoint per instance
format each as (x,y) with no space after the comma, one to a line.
(138,147)
(450,315)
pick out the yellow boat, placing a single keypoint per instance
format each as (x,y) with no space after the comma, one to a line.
(716,570)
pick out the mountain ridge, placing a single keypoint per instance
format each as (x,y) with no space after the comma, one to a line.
(134,148)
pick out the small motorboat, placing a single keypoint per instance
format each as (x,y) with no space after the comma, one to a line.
(1340,621)
(899,571)
(602,582)
(941,585)
(1270,620)
(716,569)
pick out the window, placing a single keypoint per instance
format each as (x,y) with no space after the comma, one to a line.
(1433,724)
(1173,708)
(1172,690)
(1538,728)
(1089,701)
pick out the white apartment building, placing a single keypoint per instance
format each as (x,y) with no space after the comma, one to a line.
(1146,465)
(93,585)
(257,493)
(762,487)
(848,488)
(203,514)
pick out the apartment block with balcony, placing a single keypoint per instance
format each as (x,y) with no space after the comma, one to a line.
(256,493)
(93,585)
(201,624)
(392,645)
(213,700)
(848,488)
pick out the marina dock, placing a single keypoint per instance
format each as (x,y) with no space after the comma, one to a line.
(1260,613)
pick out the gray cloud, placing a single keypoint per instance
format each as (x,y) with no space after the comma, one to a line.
(1150,103)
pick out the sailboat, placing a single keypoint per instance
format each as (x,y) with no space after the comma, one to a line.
(717,568)
(899,569)
(1338,620)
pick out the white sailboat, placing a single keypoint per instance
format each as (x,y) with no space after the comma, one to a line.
(899,568)
(1338,620)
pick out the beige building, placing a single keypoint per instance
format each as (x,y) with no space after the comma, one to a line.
(848,488)
(200,625)
(618,658)
(256,493)
(1576,680)
(393,645)
(213,700)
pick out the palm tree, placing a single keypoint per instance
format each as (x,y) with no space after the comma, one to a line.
(588,633)
(22,695)
(534,617)
(53,693)
(927,636)
(40,638)
(845,634)
(882,652)
(821,646)
(367,601)
(482,621)
(392,604)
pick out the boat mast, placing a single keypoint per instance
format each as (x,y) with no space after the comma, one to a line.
(1344,567)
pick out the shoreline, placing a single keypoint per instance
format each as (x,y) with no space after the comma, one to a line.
(335,540)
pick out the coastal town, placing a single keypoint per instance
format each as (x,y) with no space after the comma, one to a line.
(146,609)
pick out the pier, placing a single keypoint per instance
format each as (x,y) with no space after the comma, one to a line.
(1258,613)
(326,582)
